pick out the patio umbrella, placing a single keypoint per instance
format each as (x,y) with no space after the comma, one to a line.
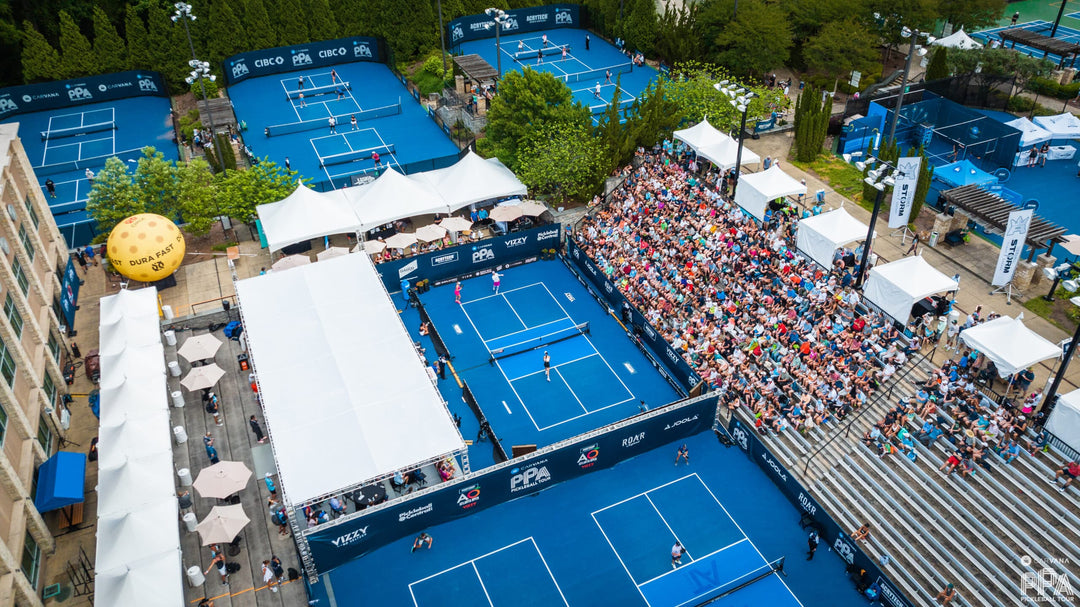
(291,261)
(506,213)
(222,479)
(1071,244)
(222,525)
(430,232)
(456,224)
(371,247)
(401,240)
(199,347)
(332,252)
(532,208)
(202,377)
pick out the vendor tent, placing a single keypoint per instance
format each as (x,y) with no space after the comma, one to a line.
(895,287)
(757,189)
(1062,126)
(958,39)
(714,146)
(963,173)
(1064,422)
(820,236)
(303,215)
(134,482)
(1030,133)
(1009,344)
(137,534)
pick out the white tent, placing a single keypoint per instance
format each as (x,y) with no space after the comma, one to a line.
(134,482)
(136,534)
(130,308)
(473,179)
(303,215)
(757,189)
(1064,422)
(820,236)
(895,287)
(124,400)
(714,146)
(134,438)
(1062,126)
(1009,344)
(150,582)
(958,39)
(1030,133)
(393,196)
(358,386)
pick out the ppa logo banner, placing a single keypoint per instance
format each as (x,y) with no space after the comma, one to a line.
(313,55)
(68,93)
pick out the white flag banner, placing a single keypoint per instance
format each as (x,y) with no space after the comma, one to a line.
(903,193)
(1012,246)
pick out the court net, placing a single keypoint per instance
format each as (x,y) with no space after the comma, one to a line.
(355,155)
(600,74)
(548,51)
(344,121)
(744,580)
(539,341)
(75,131)
(315,91)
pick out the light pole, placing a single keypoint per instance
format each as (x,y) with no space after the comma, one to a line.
(878,179)
(442,38)
(199,70)
(740,100)
(1069,353)
(499,18)
(1056,275)
(913,47)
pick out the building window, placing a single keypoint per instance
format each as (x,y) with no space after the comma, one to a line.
(31,211)
(25,238)
(20,276)
(3,425)
(44,435)
(54,347)
(58,309)
(13,315)
(31,560)
(49,386)
(7,364)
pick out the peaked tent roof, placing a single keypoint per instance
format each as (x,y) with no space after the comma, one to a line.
(757,189)
(1010,344)
(820,236)
(394,195)
(715,146)
(895,287)
(303,215)
(473,179)
(1062,126)
(958,39)
(1030,133)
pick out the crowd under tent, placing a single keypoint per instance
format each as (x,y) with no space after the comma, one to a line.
(1009,344)
(716,147)
(820,236)
(756,190)
(1062,126)
(1064,422)
(895,287)
(1030,133)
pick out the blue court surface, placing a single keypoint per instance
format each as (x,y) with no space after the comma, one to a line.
(61,144)
(595,378)
(389,121)
(606,539)
(1064,32)
(581,69)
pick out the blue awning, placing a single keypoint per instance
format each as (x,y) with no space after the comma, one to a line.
(964,173)
(61,481)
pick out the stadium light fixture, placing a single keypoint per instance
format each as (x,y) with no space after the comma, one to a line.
(200,71)
(739,98)
(499,18)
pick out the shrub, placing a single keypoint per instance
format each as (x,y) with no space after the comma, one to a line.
(188,123)
(211,89)
(1051,88)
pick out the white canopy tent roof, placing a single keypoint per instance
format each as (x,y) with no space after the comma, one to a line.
(714,146)
(757,189)
(895,287)
(148,582)
(958,39)
(1009,344)
(820,236)
(1030,133)
(393,195)
(1062,126)
(303,215)
(136,534)
(356,389)
(473,179)
(1064,422)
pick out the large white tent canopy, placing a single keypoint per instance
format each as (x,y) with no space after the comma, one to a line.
(895,287)
(820,236)
(306,214)
(958,39)
(714,146)
(1009,344)
(1062,126)
(336,366)
(1064,422)
(757,189)
(1030,133)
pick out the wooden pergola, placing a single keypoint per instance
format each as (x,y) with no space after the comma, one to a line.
(1039,42)
(476,68)
(992,211)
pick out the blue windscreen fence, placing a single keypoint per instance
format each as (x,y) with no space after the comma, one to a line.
(301,57)
(335,543)
(520,20)
(79,91)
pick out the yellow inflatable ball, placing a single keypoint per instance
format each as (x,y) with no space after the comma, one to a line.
(146,247)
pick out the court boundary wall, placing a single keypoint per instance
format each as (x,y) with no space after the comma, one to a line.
(520,20)
(282,59)
(335,543)
(30,98)
(846,548)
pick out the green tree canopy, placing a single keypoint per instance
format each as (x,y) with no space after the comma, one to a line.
(321,24)
(971,14)
(76,54)
(561,159)
(196,196)
(840,48)
(812,112)
(759,39)
(138,41)
(653,117)
(40,61)
(109,52)
(939,64)
(222,39)
(259,32)
(639,27)
(692,92)
(240,192)
(290,27)
(616,140)
(155,183)
(678,38)
(113,196)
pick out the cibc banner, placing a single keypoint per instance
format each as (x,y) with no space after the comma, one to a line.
(846,548)
(300,57)
(519,20)
(79,91)
(334,544)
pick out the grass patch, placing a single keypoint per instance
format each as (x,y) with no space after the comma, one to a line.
(1061,312)
(221,248)
(842,177)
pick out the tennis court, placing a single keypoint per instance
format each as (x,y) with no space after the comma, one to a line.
(1064,32)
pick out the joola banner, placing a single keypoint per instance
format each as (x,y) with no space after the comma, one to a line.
(476,27)
(79,91)
(300,57)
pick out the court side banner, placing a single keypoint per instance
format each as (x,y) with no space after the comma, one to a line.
(1012,246)
(79,91)
(903,194)
(535,18)
(846,548)
(301,57)
(69,293)
(333,545)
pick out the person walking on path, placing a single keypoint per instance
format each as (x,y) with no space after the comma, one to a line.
(279,570)
(213,407)
(495,276)
(914,248)
(682,453)
(457,292)
(547,365)
(256,429)
(218,562)
(420,540)
(268,576)
(270,486)
(812,542)
(676,554)
(91,255)
(79,259)
(50,186)
(211,453)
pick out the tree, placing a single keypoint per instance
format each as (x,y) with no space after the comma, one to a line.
(922,188)
(321,24)
(758,40)
(640,26)
(40,61)
(76,54)
(841,48)
(561,159)
(808,17)
(972,14)
(812,112)
(938,67)
(113,196)
(653,116)
(155,183)
(894,15)
(169,52)
(692,92)
(258,31)
(138,41)
(109,52)
(240,192)
(222,41)
(291,28)
(678,38)
(615,139)
(197,196)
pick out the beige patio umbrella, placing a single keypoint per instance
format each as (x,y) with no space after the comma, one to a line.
(291,261)
(456,224)
(222,525)
(371,247)
(332,252)
(506,213)
(202,377)
(430,232)
(532,208)
(1071,244)
(401,240)
(199,347)
(222,479)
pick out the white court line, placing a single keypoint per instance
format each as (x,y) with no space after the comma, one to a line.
(392,155)
(559,423)
(292,102)
(112,133)
(619,556)
(701,558)
(482,586)
(664,520)
(556,366)
(632,497)
(530,328)
(503,292)
(583,408)
(499,367)
(544,561)
(512,309)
